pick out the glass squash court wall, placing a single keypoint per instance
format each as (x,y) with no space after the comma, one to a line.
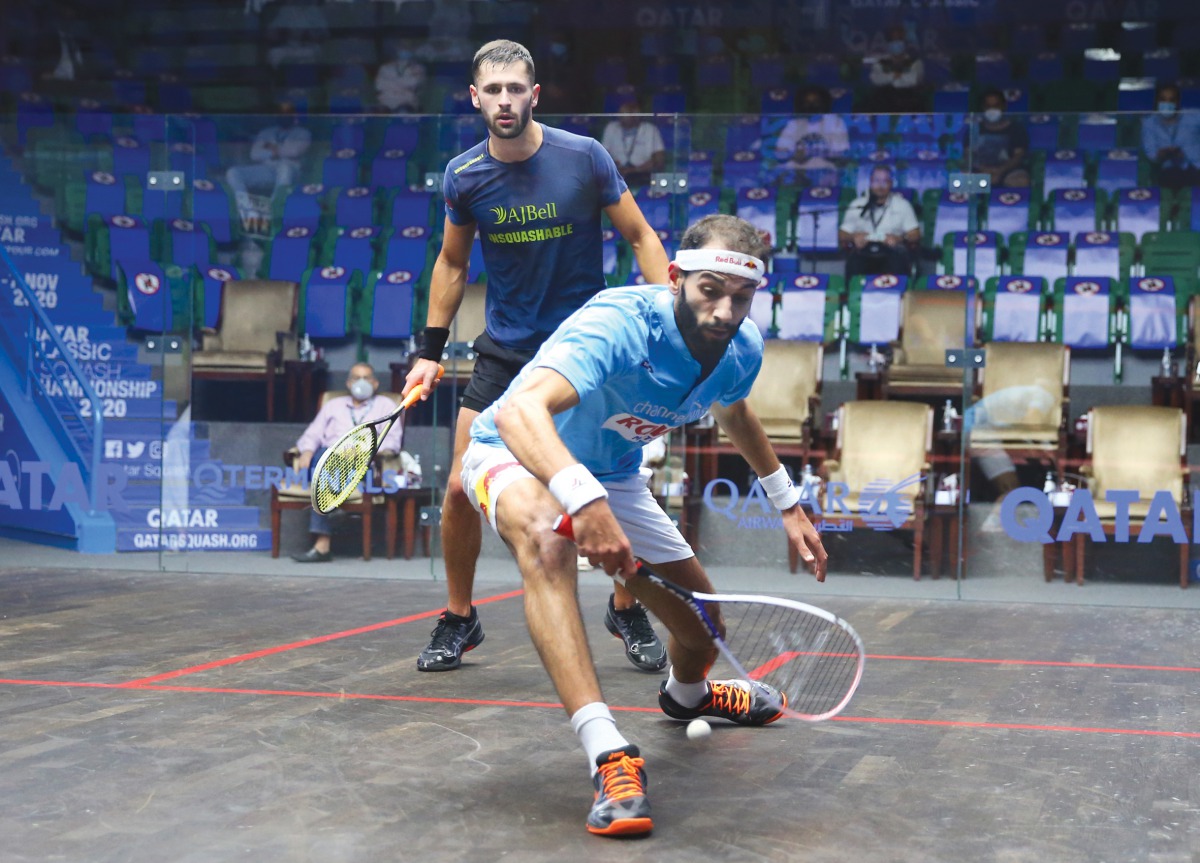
(1050,299)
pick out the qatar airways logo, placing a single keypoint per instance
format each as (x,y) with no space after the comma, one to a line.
(635,428)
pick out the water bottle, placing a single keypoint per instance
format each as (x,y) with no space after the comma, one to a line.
(413,473)
(1166,363)
(948,416)
(1049,487)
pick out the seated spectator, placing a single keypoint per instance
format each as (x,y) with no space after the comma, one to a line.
(400,84)
(296,33)
(897,76)
(636,145)
(336,417)
(998,144)
(880,230)
(1171,141)
(274,159)
(815,142)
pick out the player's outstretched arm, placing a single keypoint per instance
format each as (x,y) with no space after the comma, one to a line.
(525,422)
(446,287)
(746,432)
(627,218)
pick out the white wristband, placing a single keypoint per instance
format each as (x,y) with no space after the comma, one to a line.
(780,490)
(574,487)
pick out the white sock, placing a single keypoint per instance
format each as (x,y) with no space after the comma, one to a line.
(686,694)
(596,730)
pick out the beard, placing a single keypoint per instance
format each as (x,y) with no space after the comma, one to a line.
(521,121)
(707,342)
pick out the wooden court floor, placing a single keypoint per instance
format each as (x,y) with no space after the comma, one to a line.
(166,717)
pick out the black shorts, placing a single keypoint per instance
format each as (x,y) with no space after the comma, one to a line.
(495,368)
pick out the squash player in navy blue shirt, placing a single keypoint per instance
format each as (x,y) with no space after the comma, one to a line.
(535,194)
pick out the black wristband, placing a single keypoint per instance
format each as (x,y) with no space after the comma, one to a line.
(435,343)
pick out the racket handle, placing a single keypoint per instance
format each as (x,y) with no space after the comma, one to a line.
(415,392)
(563,527)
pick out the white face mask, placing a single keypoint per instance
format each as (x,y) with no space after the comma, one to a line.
(361,389)
(993,115)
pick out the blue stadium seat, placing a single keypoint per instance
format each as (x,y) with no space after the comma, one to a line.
(656,205)
(1008,210)
(402,135)
(1073,210)
(926,170)
(186,244)
(104,194)
(1161,64)
(412,208)
(714,71)
(671,99)
(1017,98)
(347,100)
(1102,65)
(987,254)
(33,112)
(742,170)
(1077,37)
(700,169)
(184,156)
(161,205)
(128,240)
(952,97)
(767,70)
(354,206)
(878,319)
(148,294)
(350,134)
(702,201)
(1116,170)
(1152,313)
(210,207)
(303,207)
(1097,132)
(757,205)
(1043,131)
(662,72)
(291,252)
(635,273)
(1064,170)
(953,212)
(93,119)
(1047,255)
(1136,94)
(1098,253)
(609,254)
(1138,211)
(1016,309)
(993,68)
(325,303)
(15,74)
(744,133)
(777,100)
(354,249)
(130,156)
(458,101)
(341,168)
(212,285)
(801,312)
(610,72)
(824,70)
(1137,37)
(817,219)
(1046,67)
(148,128)
(391,305)
(407,249)
(1086,313)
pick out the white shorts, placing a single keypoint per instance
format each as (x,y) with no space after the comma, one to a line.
(489,470)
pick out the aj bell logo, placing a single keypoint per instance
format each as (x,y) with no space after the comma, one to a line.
(635,429)
(525,214)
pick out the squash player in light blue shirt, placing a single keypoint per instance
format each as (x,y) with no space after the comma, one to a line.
(566,436)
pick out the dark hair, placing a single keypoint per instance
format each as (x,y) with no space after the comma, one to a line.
(736,235)
(993,91)
(1167,85)
(502,52)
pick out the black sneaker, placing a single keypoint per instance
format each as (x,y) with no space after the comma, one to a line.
(642,644)
(452,637)
(620,807)
(738,701)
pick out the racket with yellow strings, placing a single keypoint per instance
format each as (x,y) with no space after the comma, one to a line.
(346,463)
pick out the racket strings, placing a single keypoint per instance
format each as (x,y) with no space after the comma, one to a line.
(812,660)
(343,468)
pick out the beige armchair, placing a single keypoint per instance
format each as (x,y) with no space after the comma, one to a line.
(255,334)
(931,323)
(883,457)
(468,324)
(1136,448)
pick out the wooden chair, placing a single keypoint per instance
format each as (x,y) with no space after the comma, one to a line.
(1136,448)
(883,457)
(296,496)
(255,335)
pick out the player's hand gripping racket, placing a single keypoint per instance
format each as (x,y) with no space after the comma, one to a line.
(346,463)
(811,656)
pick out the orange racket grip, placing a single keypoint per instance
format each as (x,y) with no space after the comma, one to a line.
(563,527)
(415,392)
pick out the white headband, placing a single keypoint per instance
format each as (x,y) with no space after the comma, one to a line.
(720,261)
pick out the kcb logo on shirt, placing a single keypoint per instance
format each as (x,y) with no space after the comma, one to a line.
(525,214)
(634,428)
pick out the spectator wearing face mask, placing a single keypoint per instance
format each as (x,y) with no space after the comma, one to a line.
(400,84)
(1171,141)
(336,417)
(998,144)
(897,75)
(816,141)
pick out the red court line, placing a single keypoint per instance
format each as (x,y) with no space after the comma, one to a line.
(1113,665)
(484,702)
(308,642)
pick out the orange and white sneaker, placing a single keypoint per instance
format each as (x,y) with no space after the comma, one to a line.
(621,807)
